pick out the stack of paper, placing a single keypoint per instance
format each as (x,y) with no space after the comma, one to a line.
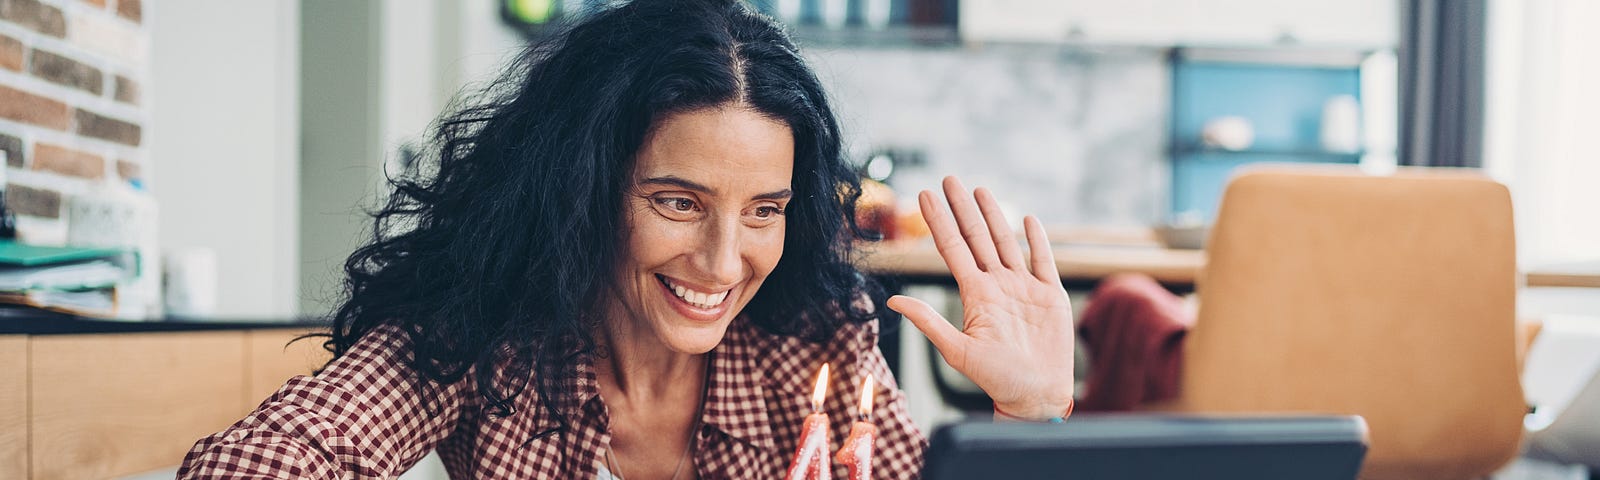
(79,281)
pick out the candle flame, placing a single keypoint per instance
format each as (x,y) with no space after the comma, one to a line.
(866,397)
(821,390)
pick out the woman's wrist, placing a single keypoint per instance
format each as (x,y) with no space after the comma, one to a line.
(1038,412)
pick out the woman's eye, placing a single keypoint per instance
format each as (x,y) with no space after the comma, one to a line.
(768,212)
(766,215)
(678,204)
(677,208)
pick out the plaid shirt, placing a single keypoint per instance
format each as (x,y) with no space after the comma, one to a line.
(361,417)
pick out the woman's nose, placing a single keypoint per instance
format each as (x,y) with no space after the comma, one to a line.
(720,257)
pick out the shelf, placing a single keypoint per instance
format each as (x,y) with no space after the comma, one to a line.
(1278,152)
(1278,55)
(890,36)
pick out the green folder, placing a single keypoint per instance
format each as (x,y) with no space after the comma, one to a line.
(20,255)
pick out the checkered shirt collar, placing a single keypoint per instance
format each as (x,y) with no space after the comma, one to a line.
(734,402)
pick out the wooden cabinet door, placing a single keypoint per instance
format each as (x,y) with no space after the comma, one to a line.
(274,360)
(119,404)
(14,406)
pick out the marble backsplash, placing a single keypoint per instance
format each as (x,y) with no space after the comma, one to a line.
(1069,134)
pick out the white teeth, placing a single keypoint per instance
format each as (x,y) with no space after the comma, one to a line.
(698,299)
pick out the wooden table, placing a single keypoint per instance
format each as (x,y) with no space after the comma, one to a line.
(1084,255)
(1583,274)
(1077,263)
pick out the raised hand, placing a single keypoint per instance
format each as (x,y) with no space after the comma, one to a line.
(1017,340)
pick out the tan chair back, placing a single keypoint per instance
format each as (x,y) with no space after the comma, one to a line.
(1393,297)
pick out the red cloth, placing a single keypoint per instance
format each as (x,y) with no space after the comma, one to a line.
(1133,329)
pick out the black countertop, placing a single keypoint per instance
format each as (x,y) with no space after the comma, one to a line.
(47,323)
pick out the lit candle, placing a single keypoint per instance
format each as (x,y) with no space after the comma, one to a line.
(856,453)
(811,458)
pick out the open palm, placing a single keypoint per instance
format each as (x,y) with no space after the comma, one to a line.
(1017,337)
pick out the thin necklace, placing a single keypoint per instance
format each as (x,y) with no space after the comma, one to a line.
(616,471)
(615,467)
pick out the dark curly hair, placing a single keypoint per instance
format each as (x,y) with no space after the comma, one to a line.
(490,256)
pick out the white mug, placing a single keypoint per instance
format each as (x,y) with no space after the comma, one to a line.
(191,282)
(1341,124)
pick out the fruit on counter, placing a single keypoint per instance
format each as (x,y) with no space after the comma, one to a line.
(909,224)
(875,211)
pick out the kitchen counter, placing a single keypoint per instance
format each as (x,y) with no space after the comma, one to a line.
(1579,274)
(82,398)
(46,323)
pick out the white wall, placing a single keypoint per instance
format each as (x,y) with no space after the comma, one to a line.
(376,76)
(475,46)
(409,93)
(340,156)
(224,144)
(1542,67)
(1344,23)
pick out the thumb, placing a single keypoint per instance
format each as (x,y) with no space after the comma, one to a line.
(944,336)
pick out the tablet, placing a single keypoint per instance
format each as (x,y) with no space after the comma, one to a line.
(1152,446)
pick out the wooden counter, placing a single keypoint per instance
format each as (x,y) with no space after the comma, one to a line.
(1076,262)
(98,405)
(1086,262)
(1582,275)
(13,407)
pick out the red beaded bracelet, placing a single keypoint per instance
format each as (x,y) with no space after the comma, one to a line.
(1060,419)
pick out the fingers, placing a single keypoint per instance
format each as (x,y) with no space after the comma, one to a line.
(971,224)
(1044,260)
(947,237)
(1004,241)
(944,336)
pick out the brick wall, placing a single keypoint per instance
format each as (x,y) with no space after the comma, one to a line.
(72,114)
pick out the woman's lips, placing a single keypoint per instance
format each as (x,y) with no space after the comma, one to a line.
(691,311)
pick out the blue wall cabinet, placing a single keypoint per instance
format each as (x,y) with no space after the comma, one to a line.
(1280,94)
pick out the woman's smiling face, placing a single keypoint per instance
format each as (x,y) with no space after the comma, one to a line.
(704,222)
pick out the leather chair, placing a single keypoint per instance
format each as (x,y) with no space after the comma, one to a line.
(1390,297)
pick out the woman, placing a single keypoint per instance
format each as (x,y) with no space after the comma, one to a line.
(630,264)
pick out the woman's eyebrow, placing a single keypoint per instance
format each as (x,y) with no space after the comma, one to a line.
(691,185)
(778,195)
(677,182)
